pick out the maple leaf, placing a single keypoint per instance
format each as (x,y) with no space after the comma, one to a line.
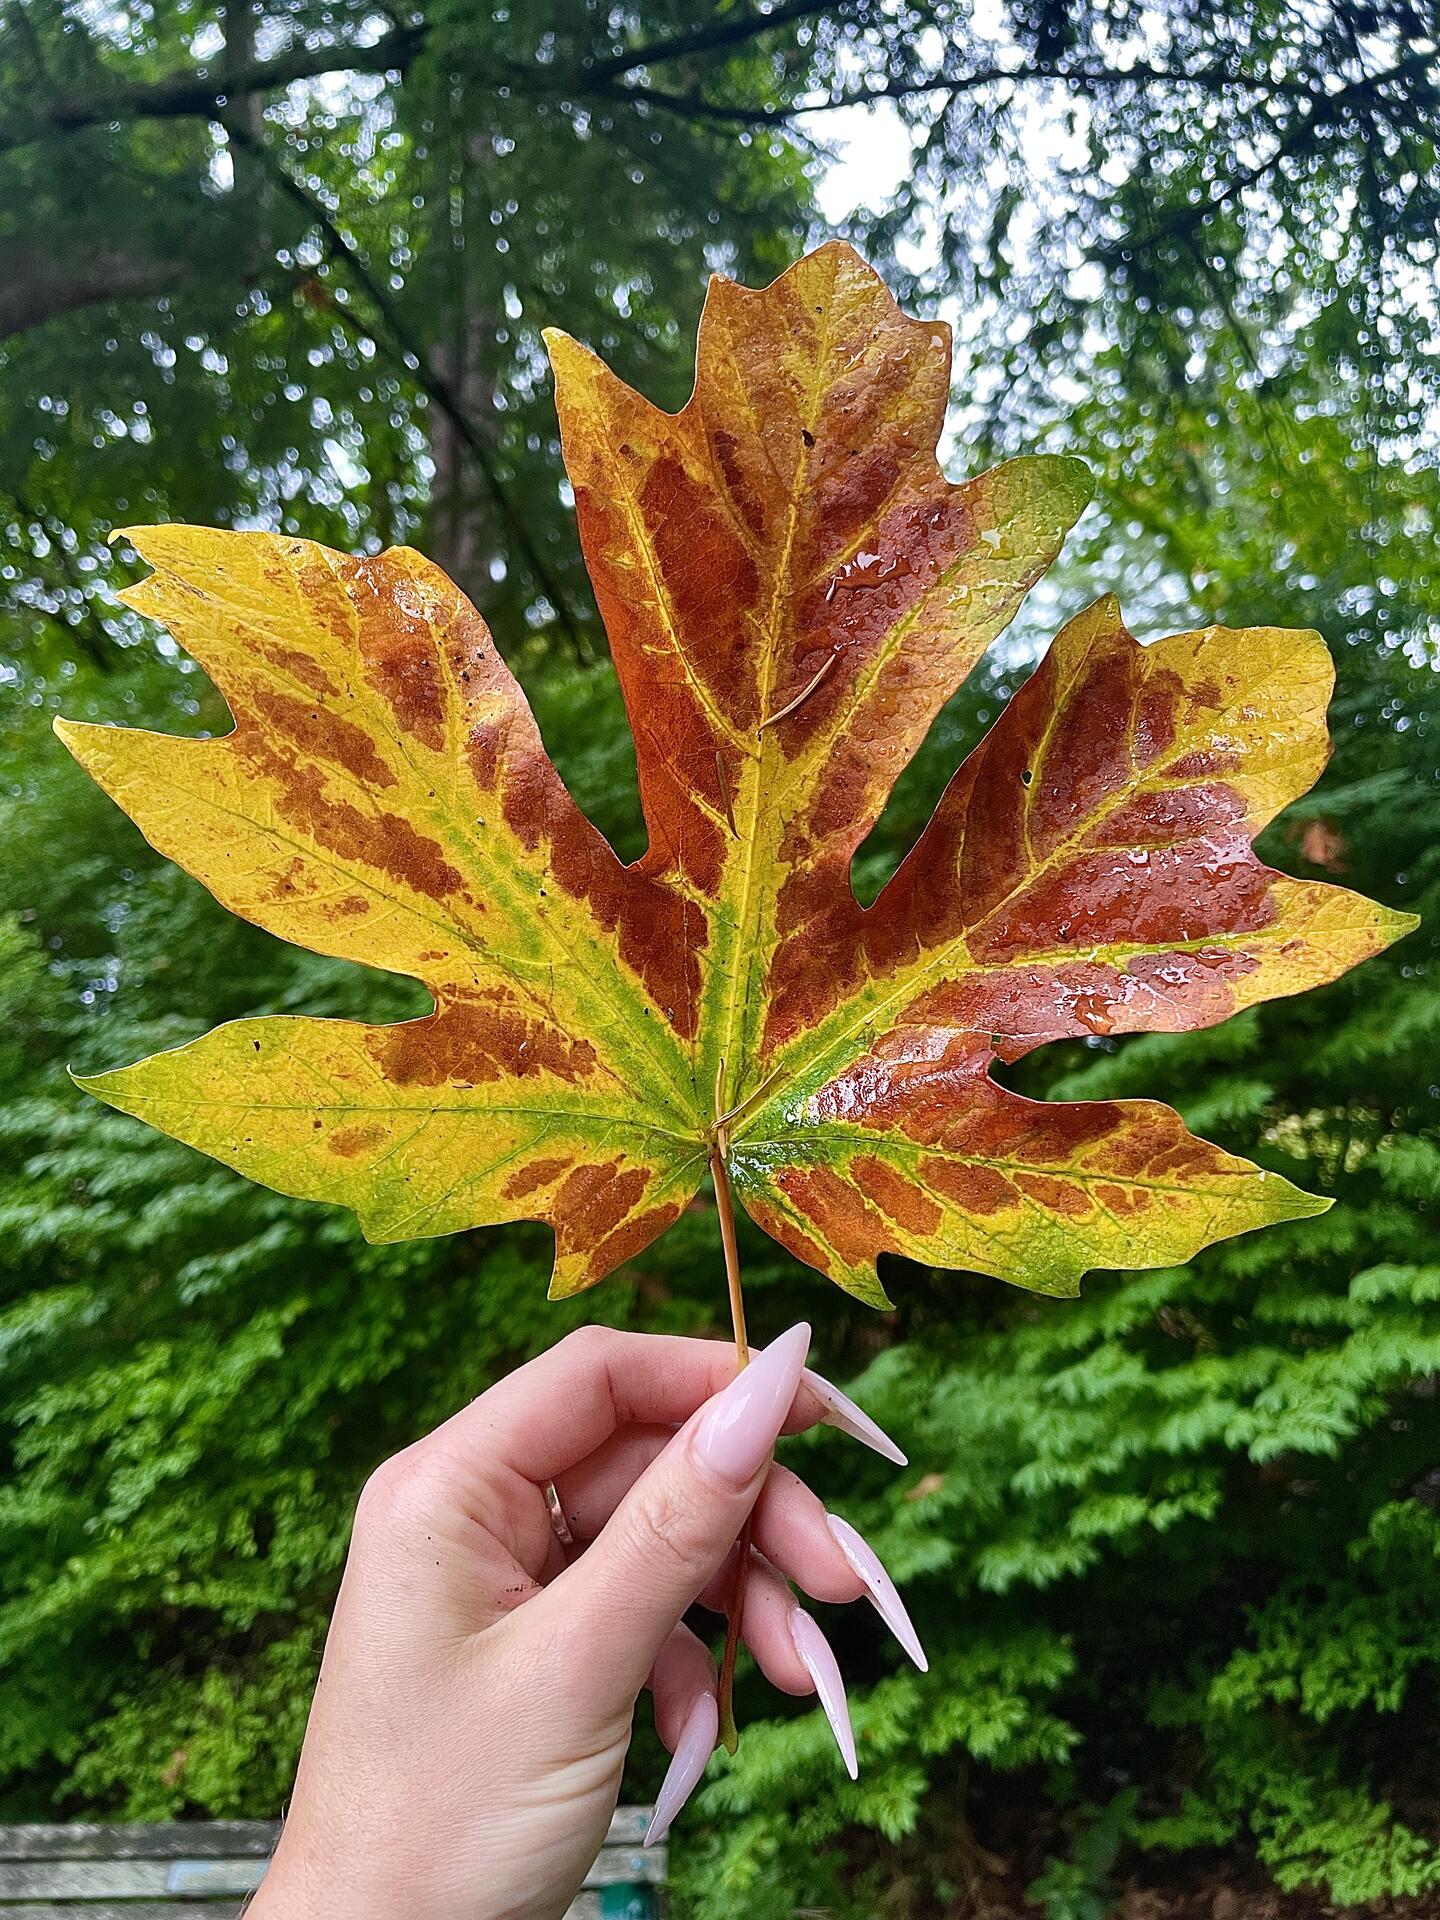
(792,590)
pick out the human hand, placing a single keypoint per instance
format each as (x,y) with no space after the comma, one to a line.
(465,1746)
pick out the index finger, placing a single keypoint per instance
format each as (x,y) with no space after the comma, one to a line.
(557,1409)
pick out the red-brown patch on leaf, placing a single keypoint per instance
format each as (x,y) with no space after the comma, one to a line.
(398,648)
(1205,763)
(377,840)
(1154,728)
(1055,1195)
(479,1040)
(319,734)
(710,580)
(782,1229)
(1120,1200)
(660,934)
(1086,758)
(529,1179)
(591,1203)
(484,749)
(1201,697)
(629,1239)
(749,502)
(896,1197)
(974,1188)
(296,665)
(849,1225)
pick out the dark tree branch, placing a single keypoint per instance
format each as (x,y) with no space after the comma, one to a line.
(204,95)
(36,287)
(730,30)
(198,94)
(191,95)
(1218,80)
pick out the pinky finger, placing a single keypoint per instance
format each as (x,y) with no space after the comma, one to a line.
(687,1718)
(793,1653)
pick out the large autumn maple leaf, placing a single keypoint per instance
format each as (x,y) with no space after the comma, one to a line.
(791,590)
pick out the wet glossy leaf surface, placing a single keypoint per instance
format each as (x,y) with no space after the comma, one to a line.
(791,590)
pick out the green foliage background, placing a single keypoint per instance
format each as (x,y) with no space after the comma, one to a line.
(1174,1549)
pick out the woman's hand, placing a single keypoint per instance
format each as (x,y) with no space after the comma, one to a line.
(465,1745)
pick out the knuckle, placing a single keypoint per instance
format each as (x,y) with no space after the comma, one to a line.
(590,1345)
(403,1491)
(670,1530)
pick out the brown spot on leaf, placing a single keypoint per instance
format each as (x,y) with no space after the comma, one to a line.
(352,1141)
(1066,1198)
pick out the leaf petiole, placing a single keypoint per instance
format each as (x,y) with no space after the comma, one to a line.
(725,1207)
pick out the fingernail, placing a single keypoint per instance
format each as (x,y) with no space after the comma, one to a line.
(737,1433)
(880,1587)
(842,1413)
(692,1753)
(814,1649)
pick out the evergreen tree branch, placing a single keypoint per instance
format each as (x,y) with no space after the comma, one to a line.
(86,630)
(1327,110)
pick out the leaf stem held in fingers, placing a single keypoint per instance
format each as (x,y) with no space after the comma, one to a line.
(725,1206)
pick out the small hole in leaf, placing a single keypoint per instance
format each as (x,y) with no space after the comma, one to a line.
(1027,776)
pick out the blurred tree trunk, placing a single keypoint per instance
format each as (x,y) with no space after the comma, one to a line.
(245,117)
(462,534)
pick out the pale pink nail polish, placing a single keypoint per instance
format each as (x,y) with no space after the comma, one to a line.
(881,1588)
(692,1753)
(739,1428)
(842,1413)
(814,1649)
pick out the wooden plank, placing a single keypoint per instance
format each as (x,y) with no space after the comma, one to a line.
(123,1910)
(628,1826)
(617,1865)
(586,1907)
(79,1880)
(119,1840)
(82,1880)
(202,1839)
(210,1879)
(85,1879)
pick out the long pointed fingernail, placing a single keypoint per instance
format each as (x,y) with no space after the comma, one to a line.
(692,1753)
(739,1429)
(880,1587)
(814,1649)
(842,1413)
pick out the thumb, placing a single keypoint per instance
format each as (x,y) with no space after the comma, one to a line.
(668,1537)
